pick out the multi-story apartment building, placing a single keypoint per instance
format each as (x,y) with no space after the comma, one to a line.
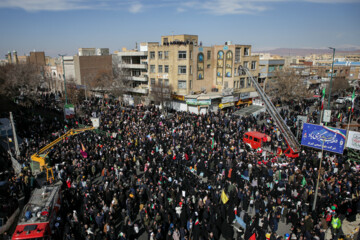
(132,65)
(171,63)
(189,67)
(267,67)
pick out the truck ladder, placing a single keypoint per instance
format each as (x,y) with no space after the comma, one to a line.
(289,136)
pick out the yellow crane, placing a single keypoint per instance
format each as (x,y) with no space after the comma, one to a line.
(40,156)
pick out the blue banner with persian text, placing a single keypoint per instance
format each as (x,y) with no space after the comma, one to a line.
(315,136)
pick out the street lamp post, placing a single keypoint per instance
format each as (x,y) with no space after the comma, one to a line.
(332,71)
(62,58)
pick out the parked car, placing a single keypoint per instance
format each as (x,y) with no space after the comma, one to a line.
(342,100)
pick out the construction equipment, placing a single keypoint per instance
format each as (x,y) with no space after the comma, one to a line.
(293,148)
(39,157)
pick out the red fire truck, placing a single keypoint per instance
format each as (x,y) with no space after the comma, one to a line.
(255,140)
(38,217)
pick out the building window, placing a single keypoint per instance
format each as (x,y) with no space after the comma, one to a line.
(166,82)
(242,82)
(160,81)
(253,65)
(152,68)
(181,84)
(246,51)
(190,84)
(237,84)
(226,85)
(237,54)
(166,54)
(248,82)
(152,55)
(152,81)
(160,70)
(234,84)
(190,54)
(181,69)
(208,55)
(182,55)
(160,54)
(200,66)
(166,69)
(246,64)
(190,69)
(209,65)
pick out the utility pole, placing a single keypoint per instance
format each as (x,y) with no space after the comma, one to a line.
(331,79)
(17,151)
(62,59)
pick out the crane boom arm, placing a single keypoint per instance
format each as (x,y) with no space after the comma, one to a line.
(41,159)
(68,133)
(288,135)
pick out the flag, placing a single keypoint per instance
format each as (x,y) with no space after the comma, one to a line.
(303,182)
(253,237)
(212,143)
(83,153)
(323,99)
(241,222)
(224,197)
(82,147)
(197,221)
(353,101)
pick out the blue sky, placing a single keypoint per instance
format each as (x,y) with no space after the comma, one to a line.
(63,26)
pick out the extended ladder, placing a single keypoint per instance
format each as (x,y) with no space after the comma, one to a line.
(289,136)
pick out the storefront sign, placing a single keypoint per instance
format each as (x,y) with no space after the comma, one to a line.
(204,102)
(225,105)
(244,95)
(191,101)
(198,102)
(227,99)
(178,97)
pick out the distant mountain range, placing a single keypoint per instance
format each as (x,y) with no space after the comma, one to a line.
(308,51)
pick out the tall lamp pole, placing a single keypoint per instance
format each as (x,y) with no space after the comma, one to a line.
(332,71)
(62,59)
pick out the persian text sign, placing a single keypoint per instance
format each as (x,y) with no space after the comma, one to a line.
(315,136)
(353,140)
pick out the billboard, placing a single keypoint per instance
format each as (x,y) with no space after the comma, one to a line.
(315,136)
(353,140)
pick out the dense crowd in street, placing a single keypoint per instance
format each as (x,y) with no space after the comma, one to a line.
(187,176)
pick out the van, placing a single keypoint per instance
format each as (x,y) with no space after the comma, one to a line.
(255,139)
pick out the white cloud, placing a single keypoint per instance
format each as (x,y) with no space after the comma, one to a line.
(227,7)
(135,8)
(47,5)
(212,7)
(333,1)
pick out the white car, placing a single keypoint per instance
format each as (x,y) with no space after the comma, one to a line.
(340,100)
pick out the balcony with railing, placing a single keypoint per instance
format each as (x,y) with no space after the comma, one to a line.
(142,89)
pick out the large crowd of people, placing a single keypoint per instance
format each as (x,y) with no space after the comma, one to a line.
(186,176)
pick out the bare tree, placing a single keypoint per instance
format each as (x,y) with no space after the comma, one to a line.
(121,79)
(74,94)
(339,84)
(16,79)
(102,81)
(160,93)
(288,85)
